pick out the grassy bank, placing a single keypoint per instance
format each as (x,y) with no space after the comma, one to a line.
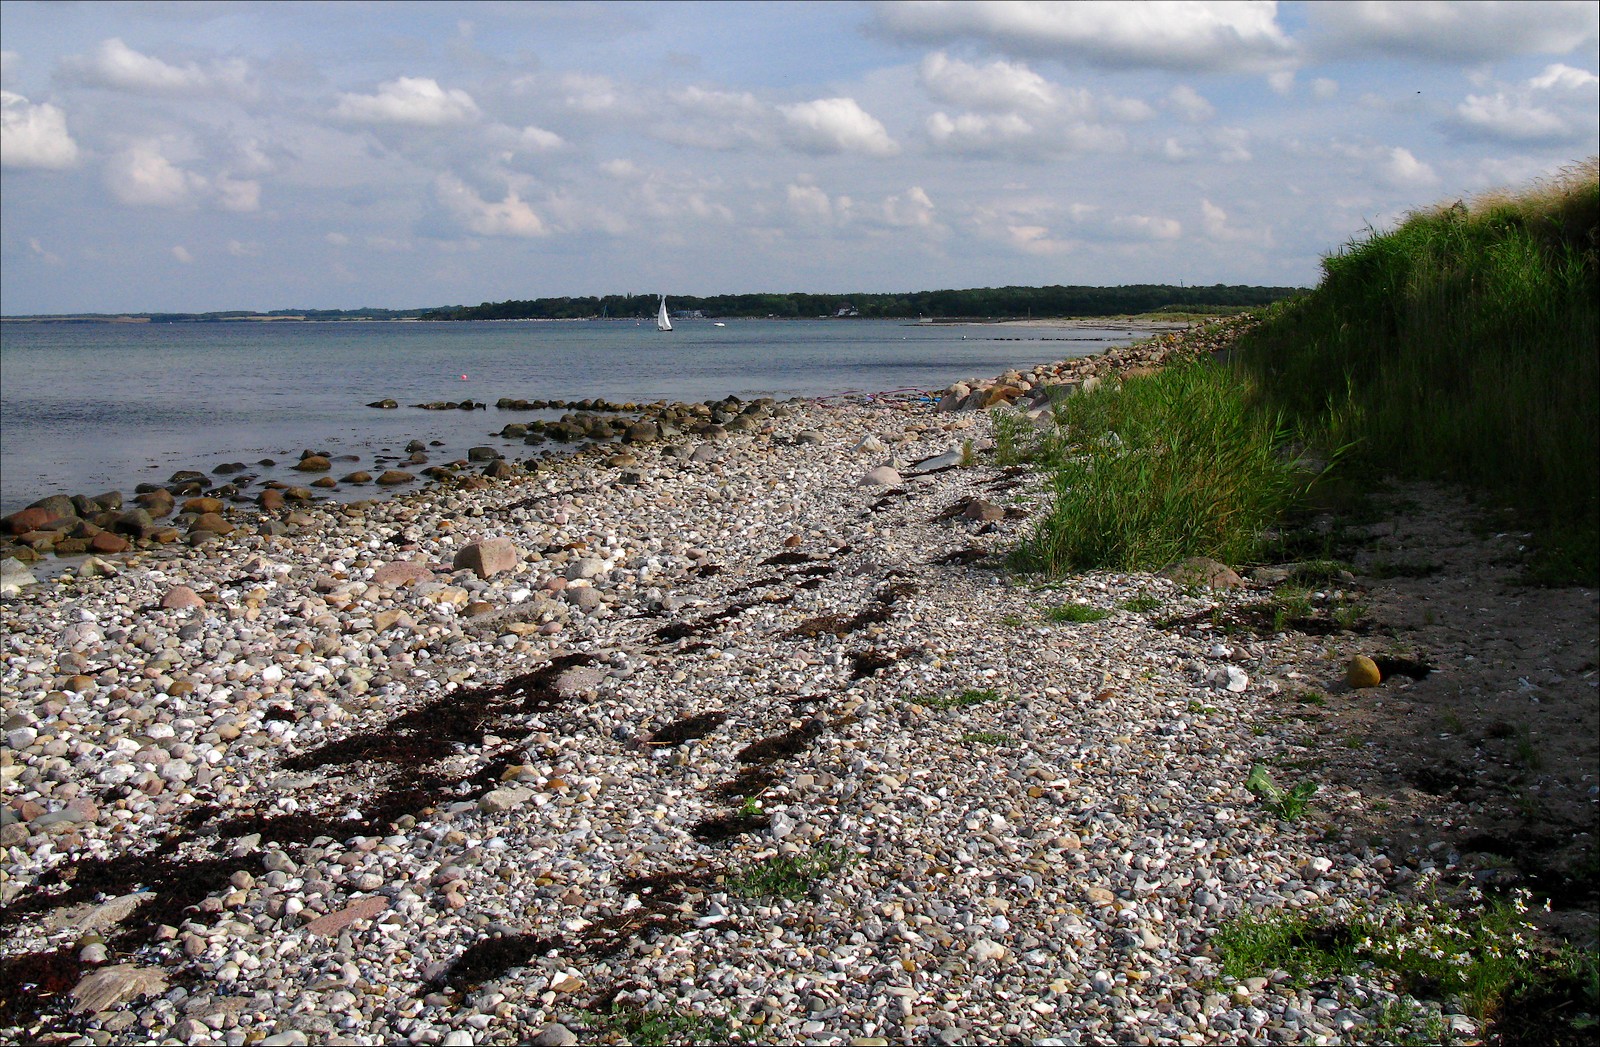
(1463,345)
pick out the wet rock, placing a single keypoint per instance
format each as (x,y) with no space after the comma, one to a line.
(385,404)
(313,463)
(395,477)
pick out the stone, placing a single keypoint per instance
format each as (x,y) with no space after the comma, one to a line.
(14,575)
(1202,570)
(881,476)
(212,523)
(401,572)
(395,477)
(108,543)
(554,1035)
(181,597)
(499,469)
(1362,671)
(25,520)
(110,986)
(159,502)
(978,509)
(203,505)
(870,444)
(385,404)
(270,499)
(360,476)
(313,463)
(137,522)
(487,557)
(483,454)
(392,618)
(361,909)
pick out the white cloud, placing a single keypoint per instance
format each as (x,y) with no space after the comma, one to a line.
(508,217)
(1035,239)
(911,209)
(182,254)
(117,66)
(588,93)
(538,140)
(1166,34)
(1150,228)
(1281,81)
(974,133)
(1404,170)
(47,256)
(1190,104)
(1323,89)
(810,202)
(1455,31)
(1173,149)
(34,135)
(998,85)
(1501,116)
(1219,228)
(141,175)
(415,100)
(240,249)
(1564,78)
(836,125)
(1230,145)
(238,194)
(337,239)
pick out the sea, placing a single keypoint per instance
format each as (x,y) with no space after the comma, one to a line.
(87,407)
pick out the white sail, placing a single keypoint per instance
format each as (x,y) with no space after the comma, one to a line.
(662,323)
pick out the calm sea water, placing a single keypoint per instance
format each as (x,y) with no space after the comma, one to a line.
(86,408)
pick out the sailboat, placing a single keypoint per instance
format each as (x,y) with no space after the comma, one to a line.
(662,322)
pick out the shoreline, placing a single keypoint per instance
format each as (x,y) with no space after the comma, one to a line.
(474,766)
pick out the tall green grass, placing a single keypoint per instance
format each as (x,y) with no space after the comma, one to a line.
(1463,345)
(1167,466)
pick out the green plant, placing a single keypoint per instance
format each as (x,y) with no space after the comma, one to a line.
(1176,464)
(1289,604)
(1296,943)
(1289,803)
(750,808)
(645,1028)
(1076,613)
(1408,1023)
(788,876)
(986,738)
(1461,345)
(1142,603)
(970,696)
(1011,621)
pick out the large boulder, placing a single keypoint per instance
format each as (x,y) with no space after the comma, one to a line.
(1203,571)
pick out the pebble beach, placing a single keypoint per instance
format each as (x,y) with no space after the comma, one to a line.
(750,727)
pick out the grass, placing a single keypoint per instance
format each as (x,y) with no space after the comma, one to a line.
(645,1028)
(987,738)
(1469,948)
(1076,613)
(1166,466)
(970,696)
(1142,603)
(1460,345)
(788,876)
(1289,804)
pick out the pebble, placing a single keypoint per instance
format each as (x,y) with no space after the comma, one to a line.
(1060,887)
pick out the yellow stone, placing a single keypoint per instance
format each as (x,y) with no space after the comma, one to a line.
(1362,671)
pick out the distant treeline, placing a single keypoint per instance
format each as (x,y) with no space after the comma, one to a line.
(974,303)
(364,313)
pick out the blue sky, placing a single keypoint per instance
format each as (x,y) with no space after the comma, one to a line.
(237,155)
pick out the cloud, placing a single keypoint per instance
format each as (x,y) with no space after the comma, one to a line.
(1403,170)
(1230,145)
(182,254)
(337,239)
(836,125)
(416,100)
(1564,78)
(508,217)
(142,176)
(1558,105)
(1455,32)
(1150,228)
(1164,34)
(240,249)
(974,133)
(996,86)
(911,209)
(47,256)
(1323,89)
(1189,104)
(1217,226)
(34,135)
(119,67)
(538,140)
(239,195)
(810,202)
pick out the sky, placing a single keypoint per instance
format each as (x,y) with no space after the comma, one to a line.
(239,155)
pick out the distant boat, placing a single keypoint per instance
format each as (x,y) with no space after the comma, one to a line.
(719,323)
(662,322)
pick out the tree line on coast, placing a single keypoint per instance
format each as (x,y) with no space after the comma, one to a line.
(972,303)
